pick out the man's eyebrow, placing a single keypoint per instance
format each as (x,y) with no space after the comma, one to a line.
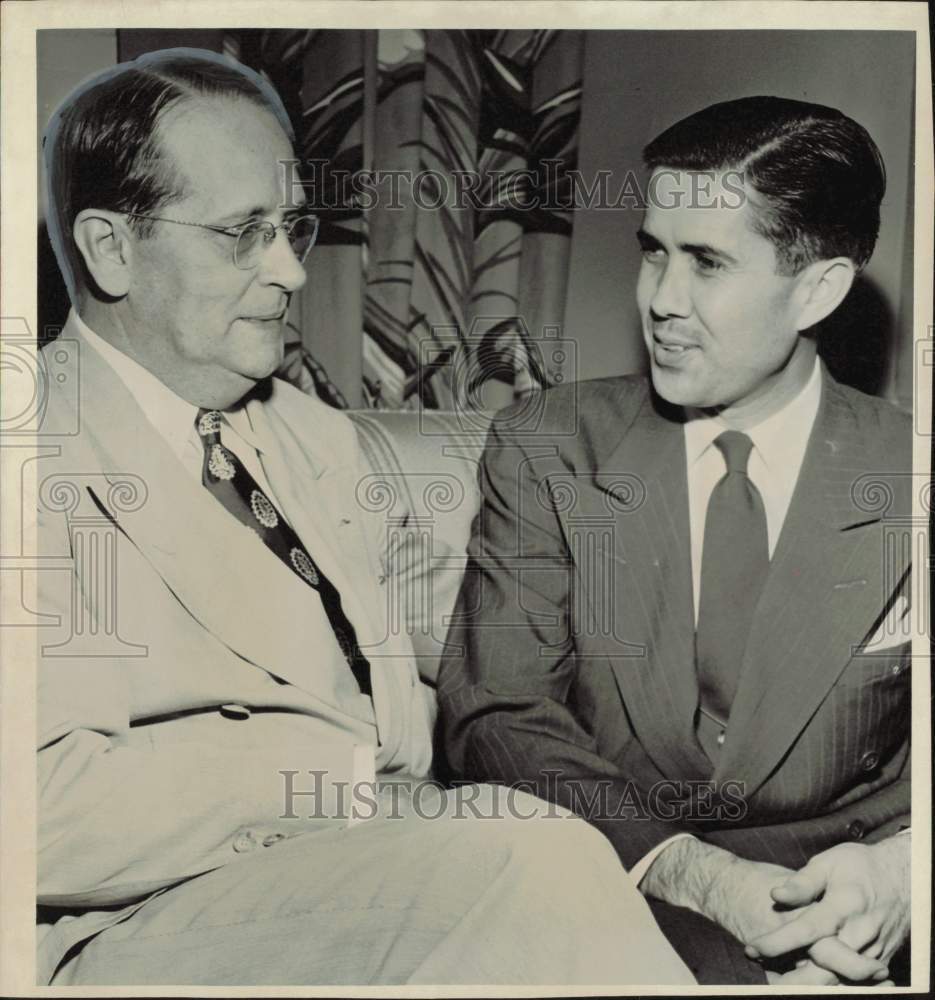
(647,240)
(706,250)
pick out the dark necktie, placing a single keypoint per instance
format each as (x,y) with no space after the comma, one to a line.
(734,564)
(225,477)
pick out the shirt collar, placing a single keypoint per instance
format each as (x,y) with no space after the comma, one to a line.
(779,439)
(171,416)
(238,419)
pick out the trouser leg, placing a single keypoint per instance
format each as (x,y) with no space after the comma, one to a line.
(439,895)
(563,910)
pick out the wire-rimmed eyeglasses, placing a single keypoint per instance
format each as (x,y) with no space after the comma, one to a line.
(253,238)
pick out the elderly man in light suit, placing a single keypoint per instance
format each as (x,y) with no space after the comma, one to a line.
(194,765)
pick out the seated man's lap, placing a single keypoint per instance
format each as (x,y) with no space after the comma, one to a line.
(369,903)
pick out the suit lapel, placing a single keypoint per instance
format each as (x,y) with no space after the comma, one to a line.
(824,590)
(328,519)
(325,515)
(178,530)
(653,588)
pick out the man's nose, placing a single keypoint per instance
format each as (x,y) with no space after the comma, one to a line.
(280,266)
(671,297)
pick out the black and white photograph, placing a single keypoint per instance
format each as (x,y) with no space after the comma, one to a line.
(467,498)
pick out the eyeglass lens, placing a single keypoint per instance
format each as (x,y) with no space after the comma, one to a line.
(256,237)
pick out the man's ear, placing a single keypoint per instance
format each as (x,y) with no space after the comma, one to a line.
(106,245)
(822,287)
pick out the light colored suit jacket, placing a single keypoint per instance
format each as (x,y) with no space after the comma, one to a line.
(573,654)
(175,684)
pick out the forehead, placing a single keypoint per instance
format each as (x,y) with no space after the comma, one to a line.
(702,208)
(228,151)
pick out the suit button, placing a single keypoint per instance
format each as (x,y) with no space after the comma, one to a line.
(856,830)
(721,736)
(244,842)
(235,711)
(870,761)
(272,838)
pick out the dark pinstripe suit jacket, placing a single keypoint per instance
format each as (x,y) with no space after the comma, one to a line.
(571,656)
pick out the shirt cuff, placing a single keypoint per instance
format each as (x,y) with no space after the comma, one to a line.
(639,870)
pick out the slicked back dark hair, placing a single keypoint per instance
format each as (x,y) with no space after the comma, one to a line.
(819,176)
(102,146)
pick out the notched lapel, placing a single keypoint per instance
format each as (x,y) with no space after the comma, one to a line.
(826,586)
(644,481)
(320,499)
(178,530)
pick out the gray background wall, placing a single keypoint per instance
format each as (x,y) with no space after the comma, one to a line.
(636,83)
(64,59)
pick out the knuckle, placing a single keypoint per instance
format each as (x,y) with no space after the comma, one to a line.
(853,900)
(829,923)
(852,934)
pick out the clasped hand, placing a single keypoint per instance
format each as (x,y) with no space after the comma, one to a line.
(848,909)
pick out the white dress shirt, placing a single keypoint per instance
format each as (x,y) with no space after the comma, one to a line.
(775,461)
(779,444)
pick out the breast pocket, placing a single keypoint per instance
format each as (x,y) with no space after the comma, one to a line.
(890,666)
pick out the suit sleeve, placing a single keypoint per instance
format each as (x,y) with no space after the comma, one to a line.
(510,663)
(119,818)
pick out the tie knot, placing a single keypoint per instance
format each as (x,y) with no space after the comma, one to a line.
(736,448)
(208,423)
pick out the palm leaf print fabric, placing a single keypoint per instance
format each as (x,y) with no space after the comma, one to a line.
(438,162)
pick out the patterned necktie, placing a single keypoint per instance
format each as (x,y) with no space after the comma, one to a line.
(734,565)
(225,477)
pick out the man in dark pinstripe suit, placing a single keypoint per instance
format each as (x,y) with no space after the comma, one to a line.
(677,618)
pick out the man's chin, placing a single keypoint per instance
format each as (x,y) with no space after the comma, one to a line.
(259,372)
(261,363)
(674,387)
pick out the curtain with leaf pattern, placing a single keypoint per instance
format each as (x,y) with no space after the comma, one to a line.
(438,162)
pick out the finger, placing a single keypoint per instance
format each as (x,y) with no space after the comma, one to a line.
(820,921)
(860,931)
(832,954)
(803,887)
(807,974)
